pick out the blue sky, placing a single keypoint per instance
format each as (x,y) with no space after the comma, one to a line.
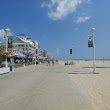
(60,24)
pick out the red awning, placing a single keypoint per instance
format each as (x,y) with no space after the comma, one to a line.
(9,52)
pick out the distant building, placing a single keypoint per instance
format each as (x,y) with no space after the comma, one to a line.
(24,45)
(21,44)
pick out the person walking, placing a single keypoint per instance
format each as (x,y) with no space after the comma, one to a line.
(53,61)
(48,60)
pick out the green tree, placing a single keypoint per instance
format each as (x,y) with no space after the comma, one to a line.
(2,57)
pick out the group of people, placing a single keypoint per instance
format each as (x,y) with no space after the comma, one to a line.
(49,61)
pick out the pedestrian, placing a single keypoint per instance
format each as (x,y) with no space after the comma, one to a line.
(53,61)
(48,60)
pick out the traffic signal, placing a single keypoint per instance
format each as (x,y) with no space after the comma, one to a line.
(70,51)
(90,41)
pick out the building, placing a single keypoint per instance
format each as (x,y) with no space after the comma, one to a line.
(22,45)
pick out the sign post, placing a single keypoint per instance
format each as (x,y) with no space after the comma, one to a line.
(71,52)
(91,43)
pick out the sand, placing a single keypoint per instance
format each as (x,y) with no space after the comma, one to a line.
(95,86)
(88,63)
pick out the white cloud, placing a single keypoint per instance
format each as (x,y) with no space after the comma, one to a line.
(88,1)
(58,9)
(43,4)
(76,29)
(63,8)
(2,34)
(57,50)
(82,19)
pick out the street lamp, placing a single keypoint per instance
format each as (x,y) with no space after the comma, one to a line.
(72,52)
(7,30)
(94,66)
(35,55)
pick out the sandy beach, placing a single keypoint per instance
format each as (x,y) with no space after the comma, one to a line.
(39,87)
(88,63)
(95,86)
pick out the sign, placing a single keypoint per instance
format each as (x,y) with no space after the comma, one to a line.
(90,41)
(10,41)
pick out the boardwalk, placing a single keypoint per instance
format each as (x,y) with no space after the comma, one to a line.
(41,87)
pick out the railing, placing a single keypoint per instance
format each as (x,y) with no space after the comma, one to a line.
(4,70)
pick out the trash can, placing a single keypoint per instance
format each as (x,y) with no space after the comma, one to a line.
(11,68)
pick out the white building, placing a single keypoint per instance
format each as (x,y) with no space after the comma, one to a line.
(25,46)
(21,44)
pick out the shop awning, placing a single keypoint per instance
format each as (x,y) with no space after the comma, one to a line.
(19,55)
(9,53)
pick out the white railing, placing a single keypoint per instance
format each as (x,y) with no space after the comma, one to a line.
(4,70)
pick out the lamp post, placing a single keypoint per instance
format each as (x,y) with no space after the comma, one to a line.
(7,30)
(72,55)
(94,66)
(35,55)
(35,59)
